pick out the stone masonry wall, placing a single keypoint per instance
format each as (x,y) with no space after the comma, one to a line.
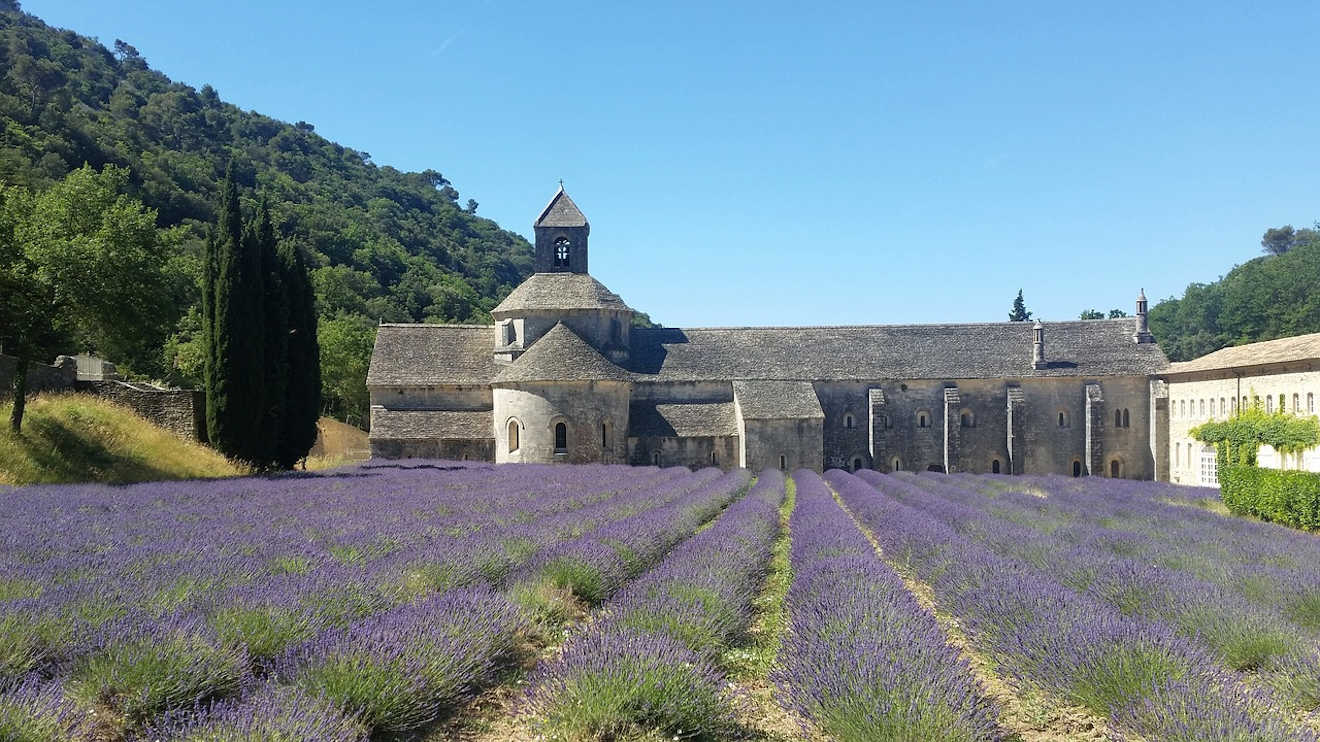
(582,406)
(180,411)
(41,377)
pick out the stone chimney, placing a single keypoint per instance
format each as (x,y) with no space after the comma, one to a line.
(1142,334)
(1038,346)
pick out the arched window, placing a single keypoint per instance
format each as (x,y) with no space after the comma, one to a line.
(994,466)
(1203,408)
(1077,468)
(783,462)
(896,465)
(714,459)
(923,419)
(1234,406)
(561,437)
(888,423)
(849,422)
(857,464)
(1118,418)
(1127,418)
(1283,403)
(513,436)
(1063,419)
(563,250)
(1310,403)
(966,419)
(1297,402)
(655,458)
(1115,469)
(604,435)
(1244,402)
(1182,408)
(1269,403)
(1212,407)
(1177,454)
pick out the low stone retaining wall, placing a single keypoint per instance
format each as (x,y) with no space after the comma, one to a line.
(180,411)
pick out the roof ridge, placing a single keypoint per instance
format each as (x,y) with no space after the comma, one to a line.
(436,324)
(1025,325)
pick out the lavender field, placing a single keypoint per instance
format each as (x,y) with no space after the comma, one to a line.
(439,600)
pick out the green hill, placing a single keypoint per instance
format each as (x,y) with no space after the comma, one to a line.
(1269,297)
(383,244)
(79,438)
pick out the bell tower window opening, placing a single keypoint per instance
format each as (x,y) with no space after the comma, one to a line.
(563,251)
(561,437)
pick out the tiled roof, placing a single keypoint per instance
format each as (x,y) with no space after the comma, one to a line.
(682,420)
(1299,348)
(558,291)
(560,355)
(871,352)
(777,400)
(421,355)
(561,212)
(423,424)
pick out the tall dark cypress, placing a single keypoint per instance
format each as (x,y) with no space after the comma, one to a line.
(249,349)
(275,326)
(302,406)
(224,310)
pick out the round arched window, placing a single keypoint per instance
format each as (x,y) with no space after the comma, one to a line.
(563,248)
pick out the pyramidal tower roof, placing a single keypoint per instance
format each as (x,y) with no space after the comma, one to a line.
(561,212)
(560,355)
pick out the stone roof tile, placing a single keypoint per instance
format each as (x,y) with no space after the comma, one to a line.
(561,212)
(423,355)
(430,424)
(558,292)
(1283,350)
(682,420)
(777,400)
(560,355)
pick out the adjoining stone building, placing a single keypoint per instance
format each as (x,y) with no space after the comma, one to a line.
(562,375)
(1276,374)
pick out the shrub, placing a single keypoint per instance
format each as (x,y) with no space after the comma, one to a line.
(1288,497)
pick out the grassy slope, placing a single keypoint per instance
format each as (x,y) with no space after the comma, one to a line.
(77,438)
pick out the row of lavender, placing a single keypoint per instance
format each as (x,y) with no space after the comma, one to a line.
(648,662)
(863,659)
(1252,599)
(352,632)
(1138,671)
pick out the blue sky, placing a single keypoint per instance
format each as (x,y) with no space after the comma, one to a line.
(772,164)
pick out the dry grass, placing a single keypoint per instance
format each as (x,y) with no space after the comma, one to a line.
(337,444)
(80,438)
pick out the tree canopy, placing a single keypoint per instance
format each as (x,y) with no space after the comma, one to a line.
(381,244)
(1019,311)
(1269,297)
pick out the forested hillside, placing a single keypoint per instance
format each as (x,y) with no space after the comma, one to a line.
(383,244)
(1273,296)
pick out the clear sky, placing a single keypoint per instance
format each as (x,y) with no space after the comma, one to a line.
(777,163)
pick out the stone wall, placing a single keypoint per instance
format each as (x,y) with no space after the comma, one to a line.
(180,411)
(41,377)
(582,406)
(797,441)
(695,452)
(450,450)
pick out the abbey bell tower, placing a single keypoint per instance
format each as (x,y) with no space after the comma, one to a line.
(561,236)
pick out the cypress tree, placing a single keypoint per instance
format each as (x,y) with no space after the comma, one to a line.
(302,405)
(248,341)
(275,330)
(222,320)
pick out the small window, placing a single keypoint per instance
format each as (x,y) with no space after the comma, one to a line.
(783,462)
(1203,408)
(604,435)
(1310,403)
(1297,402)
(887,422)
(966,419)
(1212,407)
(1182,408)
(1063,419)
(655,458)
(714,459)
(1118,418)
(896,465)
(1115,469)
(849,422)
(563,250)
(994,466)
(1077,468)
(1177,454)
(923,420)
(513,436)
(1127,418)
(1269,404)
(1234,406)
(561,437)
(857,464)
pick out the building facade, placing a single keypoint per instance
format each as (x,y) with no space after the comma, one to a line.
(562,375)
(1277,375)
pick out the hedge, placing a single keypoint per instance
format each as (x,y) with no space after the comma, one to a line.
(1288,497)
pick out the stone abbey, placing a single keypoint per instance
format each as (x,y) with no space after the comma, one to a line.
(562,375)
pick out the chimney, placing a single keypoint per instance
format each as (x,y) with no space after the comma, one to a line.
(1038,346)
(1142,335)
